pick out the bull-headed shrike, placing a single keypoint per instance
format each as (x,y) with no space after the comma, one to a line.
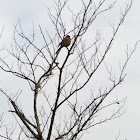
(65,43)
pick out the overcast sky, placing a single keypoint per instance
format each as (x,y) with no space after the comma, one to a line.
(35,11)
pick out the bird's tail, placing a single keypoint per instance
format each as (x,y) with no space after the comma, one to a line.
(58,50)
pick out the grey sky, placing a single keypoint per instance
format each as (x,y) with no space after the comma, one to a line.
(36,10)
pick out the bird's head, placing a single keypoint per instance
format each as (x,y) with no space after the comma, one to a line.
(68,36)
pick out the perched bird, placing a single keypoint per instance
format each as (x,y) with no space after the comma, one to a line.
(65,43)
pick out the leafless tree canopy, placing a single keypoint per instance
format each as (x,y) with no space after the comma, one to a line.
(63,106)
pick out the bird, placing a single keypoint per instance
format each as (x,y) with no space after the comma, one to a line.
(65,43)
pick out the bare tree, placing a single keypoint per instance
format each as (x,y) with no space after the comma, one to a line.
(63,112)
